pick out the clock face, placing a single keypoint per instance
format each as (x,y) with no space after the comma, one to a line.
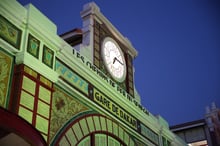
(114,59)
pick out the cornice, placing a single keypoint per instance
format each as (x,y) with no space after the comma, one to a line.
(93,9)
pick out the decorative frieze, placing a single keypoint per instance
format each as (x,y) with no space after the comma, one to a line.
(10,33)
(6,65)
(33,46)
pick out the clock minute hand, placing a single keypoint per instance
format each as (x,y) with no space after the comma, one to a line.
(117,60)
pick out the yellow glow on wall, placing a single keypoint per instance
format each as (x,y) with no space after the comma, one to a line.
(45,81)
(26,114)
(30,71)
(27,100)
(29,85)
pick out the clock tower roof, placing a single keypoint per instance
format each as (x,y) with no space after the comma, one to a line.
(92,10)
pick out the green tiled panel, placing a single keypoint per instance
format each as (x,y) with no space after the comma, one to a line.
(27,100)
(26,114)
(29,85)
(44,94)
(42,124)
(43,109)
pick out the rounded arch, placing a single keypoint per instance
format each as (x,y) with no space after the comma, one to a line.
(90,125)
(14,127)
(98,138)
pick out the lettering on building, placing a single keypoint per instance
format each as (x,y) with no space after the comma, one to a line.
(114,108)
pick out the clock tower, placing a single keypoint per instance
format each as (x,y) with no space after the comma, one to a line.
(107,48)
(113,59)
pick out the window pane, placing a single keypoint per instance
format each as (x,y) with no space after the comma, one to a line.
(100,140)
(29,85)
(27,100)
(85,142)
(26,114)
(43,109)
(113,142)
(44,94)
(42,124)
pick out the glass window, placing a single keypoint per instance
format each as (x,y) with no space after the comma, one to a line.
(100,140)
(85,142)
(113,142)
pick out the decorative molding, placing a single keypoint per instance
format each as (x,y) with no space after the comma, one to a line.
(48,56)
(64,108)
(13,123)
(33,46)
(93,9)
(10,33)
(6,65)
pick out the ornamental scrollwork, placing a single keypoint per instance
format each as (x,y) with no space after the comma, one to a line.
(64,108)
(5,64)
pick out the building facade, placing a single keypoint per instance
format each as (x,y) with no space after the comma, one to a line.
(203,132)
(73,89)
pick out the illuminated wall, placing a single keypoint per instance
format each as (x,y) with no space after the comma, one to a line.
(62,93)
(33,98)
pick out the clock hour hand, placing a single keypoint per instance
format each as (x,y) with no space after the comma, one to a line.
(116,59)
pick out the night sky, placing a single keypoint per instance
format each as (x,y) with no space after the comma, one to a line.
(177,70)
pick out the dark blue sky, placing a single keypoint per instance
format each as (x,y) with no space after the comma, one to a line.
(177,70)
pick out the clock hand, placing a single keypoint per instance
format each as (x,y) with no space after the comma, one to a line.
(118,61)
(114,60)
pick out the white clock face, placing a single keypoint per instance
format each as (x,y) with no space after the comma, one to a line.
(114,59)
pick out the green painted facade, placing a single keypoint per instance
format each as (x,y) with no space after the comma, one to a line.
(60,91)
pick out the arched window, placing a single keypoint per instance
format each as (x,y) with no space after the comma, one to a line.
(94,130)
(100,139)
